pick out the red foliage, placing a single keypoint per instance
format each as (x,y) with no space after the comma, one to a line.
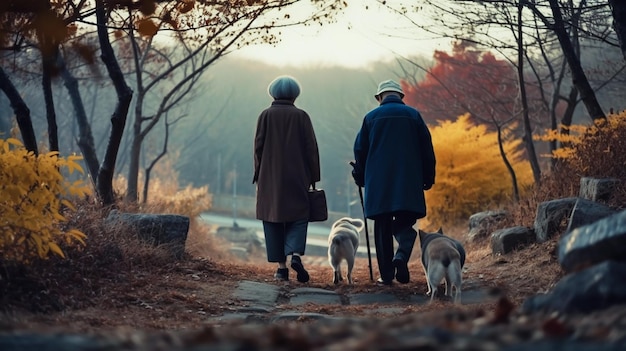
(467,80)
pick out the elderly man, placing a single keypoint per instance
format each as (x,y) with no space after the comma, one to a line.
(395,163)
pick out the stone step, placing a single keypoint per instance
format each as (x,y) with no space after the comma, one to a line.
(262,300)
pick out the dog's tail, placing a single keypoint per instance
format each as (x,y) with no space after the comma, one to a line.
(450,257)
(357,222)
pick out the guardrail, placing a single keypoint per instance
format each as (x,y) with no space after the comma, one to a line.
(245,207)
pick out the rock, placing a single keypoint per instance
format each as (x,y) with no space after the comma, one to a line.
(239,252)
(245,240)
(259,293)
(239,235)
(506,240)
(246,236)
(481,224)
(56,342)
(156,229)
(569,345)
(594,288)
(597,189)
(602,240)
(586,212)
(316,296)
(550,215)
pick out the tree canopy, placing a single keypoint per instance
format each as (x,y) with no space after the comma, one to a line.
(208,30)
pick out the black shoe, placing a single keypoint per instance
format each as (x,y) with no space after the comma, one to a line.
(296,264)
(402,271)
(282,274)
(383,282)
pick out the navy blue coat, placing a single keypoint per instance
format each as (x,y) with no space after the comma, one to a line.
(394,148)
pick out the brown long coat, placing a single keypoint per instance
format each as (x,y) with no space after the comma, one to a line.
(286,163)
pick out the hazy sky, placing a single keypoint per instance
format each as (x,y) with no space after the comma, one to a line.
(365,33)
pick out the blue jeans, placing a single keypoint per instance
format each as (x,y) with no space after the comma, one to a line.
(284,239)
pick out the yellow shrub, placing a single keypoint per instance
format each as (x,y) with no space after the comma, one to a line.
(597,150)
(471,175)
(165,194)
(33,196)
(188,201)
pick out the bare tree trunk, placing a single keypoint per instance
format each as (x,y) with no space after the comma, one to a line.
(579,78)
(554,101)
(48,70)
(568,115)
(146,183)
(22,113)
(118,119)
(618,9)
(85,139)
(528,132)
(507,164)
(132,191)
(5,117)
(572,98)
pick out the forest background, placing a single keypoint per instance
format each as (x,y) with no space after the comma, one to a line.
(93,78)
(206,139)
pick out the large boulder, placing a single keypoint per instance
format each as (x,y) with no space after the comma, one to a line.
(551,216)
(506,240)
(482,224)
(600,241)
(597,189)
(157,229)
(586,212)
(244,241)
(597,287)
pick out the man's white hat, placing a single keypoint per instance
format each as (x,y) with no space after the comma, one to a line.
(389,85)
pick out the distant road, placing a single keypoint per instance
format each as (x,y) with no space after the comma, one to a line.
(227,221)
(317,234)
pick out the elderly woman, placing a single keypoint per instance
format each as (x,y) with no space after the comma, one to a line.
(286,164)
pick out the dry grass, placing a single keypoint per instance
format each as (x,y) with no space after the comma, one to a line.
(119,282)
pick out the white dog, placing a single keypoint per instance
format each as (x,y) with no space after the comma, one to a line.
(343,242)
(443,259)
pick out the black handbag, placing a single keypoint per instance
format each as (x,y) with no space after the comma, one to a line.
(318,210)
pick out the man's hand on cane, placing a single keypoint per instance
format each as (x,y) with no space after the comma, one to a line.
(358,174)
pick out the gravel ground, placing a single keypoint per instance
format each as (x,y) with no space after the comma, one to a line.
(501,329)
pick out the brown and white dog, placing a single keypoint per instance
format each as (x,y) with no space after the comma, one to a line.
(443,258)
(343,242)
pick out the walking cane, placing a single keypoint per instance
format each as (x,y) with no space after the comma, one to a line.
(367,236)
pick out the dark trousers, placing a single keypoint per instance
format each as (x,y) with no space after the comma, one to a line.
(398,225)
(284,239)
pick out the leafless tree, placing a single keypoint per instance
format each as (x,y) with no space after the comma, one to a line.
(524,36)
(210,29)
(618,11)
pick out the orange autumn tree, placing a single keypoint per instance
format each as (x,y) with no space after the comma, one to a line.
(470,80)
(471,176)
(467,80)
